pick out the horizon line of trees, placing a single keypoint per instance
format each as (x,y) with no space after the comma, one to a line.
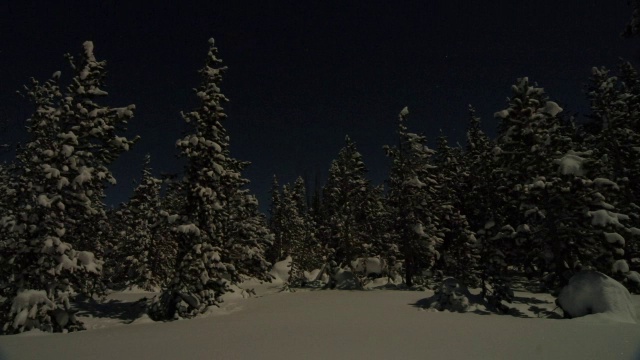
(546,198)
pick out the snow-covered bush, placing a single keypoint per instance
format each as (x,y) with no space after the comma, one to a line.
(450,295)
(591,292)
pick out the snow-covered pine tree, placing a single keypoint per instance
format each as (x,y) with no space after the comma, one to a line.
(249,237)
(295,230)
(558,189)
(343,217)
(459,252)
(518,157)
(375,222)
(91,143)
(276,217)
(477,193)
(412,188)
(614,134)
(63,170)
(310,250)
(221,236)
(145,256)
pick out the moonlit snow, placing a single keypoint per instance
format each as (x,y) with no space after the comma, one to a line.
(333,324)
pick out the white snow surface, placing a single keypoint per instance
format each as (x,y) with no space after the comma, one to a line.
(591,292)
(332,324)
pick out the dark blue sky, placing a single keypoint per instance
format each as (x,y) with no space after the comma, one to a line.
(303,74)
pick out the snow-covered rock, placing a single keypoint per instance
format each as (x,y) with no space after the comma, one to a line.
(591,292)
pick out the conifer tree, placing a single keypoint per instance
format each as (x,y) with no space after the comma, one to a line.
(63,170)
(221,235)
(477,186)
(459,251)
(557,195)
(145,256)
(295,231)
(412,188)
(344,219)
(614,135)
(276,218)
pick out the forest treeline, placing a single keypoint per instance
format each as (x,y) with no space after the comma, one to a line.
(545,198)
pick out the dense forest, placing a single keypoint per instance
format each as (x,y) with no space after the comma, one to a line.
(550,195)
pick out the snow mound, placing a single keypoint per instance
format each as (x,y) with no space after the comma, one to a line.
(280,270)
(369,266)
(591,292)
(314,275)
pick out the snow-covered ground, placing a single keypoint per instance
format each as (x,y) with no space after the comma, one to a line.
(333,324)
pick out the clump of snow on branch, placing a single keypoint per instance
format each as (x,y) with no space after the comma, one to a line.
(604,217)
(571,164)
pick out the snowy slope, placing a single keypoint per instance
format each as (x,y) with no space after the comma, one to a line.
(332,324)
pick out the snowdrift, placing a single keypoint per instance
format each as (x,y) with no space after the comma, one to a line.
(591,292)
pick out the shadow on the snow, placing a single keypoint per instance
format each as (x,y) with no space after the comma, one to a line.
(478,306)
(546,313)
(529,300)
(112,309)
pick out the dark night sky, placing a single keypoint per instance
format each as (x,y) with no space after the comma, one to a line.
(303,74)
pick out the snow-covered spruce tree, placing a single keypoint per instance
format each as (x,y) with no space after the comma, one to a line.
(518,157)
(276,251)
(92,141)
(145,256)
(62,173)
(412,189)
(310,251)
(296,232)
(376,222)
(221,235)
(459,252)
(558,187)
(476,194)
(614,134)
(347,203)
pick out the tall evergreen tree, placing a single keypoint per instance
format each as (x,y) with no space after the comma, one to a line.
(614,135)
(346,199)
(477,186)
(145,256)
(412,188)
(295,230)
(221,235)
(459,252)
(276,218)
(62,176)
